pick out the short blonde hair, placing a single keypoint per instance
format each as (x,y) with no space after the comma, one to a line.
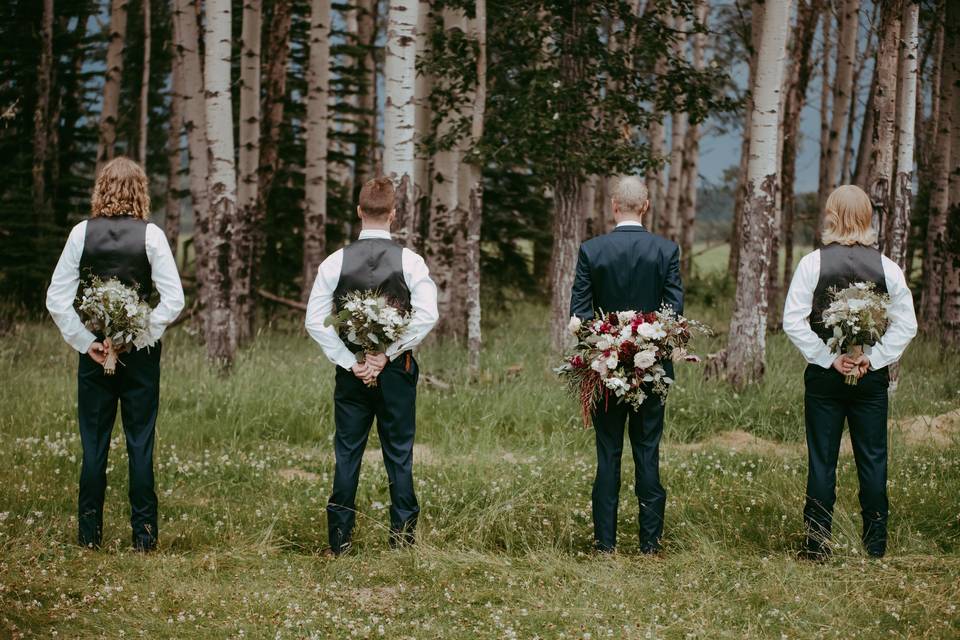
(121,189)
(848,217)
(630,193)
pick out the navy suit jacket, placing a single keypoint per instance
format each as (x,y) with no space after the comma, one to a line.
(628,269)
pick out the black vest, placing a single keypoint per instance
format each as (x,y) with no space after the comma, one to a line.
(116,247)
(841,266)
(374,264)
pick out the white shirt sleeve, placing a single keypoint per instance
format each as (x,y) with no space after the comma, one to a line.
(423,301)
(796,312)
(903,320)
(166,279)
(63,291)
(320,306)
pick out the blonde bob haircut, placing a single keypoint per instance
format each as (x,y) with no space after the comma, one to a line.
(121,189)
(848,217)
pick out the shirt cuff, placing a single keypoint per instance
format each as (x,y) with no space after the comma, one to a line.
(82,343)
(347,361)
(876,362)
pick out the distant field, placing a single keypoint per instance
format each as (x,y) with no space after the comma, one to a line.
(503,471)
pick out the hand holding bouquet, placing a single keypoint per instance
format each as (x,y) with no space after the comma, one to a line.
(622,353)
(115,310)
(858,317)
(368,320)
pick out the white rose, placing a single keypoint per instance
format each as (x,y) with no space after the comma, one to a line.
(612,360)
(574,325)
(644,359)
(651,330)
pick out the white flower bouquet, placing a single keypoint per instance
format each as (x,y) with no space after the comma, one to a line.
(858,317)
(115,311)
(368,320)
(622,354)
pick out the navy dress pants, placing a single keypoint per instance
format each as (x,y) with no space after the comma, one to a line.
(828,402)
(136,387)
(645,427)
(393,403)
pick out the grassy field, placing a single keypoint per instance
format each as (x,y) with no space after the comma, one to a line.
(503,474)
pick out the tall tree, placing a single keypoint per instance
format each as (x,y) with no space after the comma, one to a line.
(144,108)
(317,123)
(800,72)
(187,63)
(944,157)
(823,175)
(243,238)
(879,177)
(171,217)
(747,345)
(691,153)
(399,135)
(111,83)
(42,126)
(365,158)
(898,224)
(220,334)
(951,263)
(475,205)
(849,28)
(678,133)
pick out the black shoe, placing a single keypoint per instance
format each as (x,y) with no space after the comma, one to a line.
(344,549)
(650,550)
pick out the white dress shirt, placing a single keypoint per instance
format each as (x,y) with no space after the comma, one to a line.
(423,301)
(62,291)
(799,302)
(628,223)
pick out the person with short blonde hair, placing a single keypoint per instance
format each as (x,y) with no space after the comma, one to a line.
(628,269)
(848,217)
(847,257)
(117,242)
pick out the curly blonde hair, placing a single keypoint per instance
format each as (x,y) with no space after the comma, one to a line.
(121,189)
(848,217)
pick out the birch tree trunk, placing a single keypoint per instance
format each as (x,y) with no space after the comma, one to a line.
(823,175)
(399,134)
(242,248)
(884,130)
(111,83)
(171,217)
(446,229)
(678,131)
(41,117)
(365,154)
(801,70)
(339,162)
(898,229)
(746,350)
(187,64)
(475,206)
(222,185)
(317,124)
(144,87)
(944,157)
(691,157)
(756,27)
(849,28)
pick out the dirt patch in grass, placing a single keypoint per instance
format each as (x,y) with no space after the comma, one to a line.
(297,474)
(742,442)
(422,454)
(930,430)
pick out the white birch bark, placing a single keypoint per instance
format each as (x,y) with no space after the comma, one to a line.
(171,217)
(317,124)
(475,209)
(899,227)
(747,346)
(111,83)
(399,135)
(222,183)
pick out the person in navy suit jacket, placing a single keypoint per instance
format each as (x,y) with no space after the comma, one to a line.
(628,269)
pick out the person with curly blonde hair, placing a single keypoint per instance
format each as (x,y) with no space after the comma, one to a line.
(117,242)
(847,257)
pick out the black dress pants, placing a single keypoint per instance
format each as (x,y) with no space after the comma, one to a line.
(828,402)
(136,387)
(393,403)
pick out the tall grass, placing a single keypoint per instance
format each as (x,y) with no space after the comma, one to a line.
(503,470)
